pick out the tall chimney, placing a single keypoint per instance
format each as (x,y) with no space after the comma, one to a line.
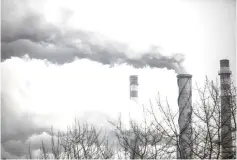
(134,87)
(184,148)
(134,142)
(226,97)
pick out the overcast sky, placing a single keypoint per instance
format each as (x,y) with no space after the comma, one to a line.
(65,59)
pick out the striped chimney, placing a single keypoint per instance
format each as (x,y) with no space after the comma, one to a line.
(184,148)
(134,87)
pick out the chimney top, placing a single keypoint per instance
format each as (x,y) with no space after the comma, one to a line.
(184,76)
(224,63)
(133,79)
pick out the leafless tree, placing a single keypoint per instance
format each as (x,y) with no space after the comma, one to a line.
(138,141)
(207,124)
(29,152)
(55,144)
(156,138)
(80,141)
(44,154)
(85,142)
(147,140)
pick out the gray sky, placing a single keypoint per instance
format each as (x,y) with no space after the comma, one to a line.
(57,55)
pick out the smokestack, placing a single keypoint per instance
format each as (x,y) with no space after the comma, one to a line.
(134,87)
(185,116)
(134,141)
(226,97)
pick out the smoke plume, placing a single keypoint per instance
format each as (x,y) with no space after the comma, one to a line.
(31,34)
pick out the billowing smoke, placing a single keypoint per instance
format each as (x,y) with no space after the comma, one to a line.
(30,33)
(28,111)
